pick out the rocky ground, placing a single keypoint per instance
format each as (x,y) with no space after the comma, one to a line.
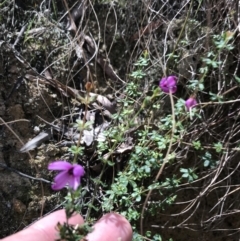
(23,197)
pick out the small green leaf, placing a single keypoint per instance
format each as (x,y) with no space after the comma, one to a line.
(218,147)
(237,78)
(138,199)
(201,86)
(197,145)
(206,163)
(183,170)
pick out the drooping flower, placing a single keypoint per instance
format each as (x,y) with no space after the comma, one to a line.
(70,174)
(168,84)
(190,103)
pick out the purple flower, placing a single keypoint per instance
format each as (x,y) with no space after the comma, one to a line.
(190,103)
(168,84)
(70,174)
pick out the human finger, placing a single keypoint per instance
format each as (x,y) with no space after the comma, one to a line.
(45,228)
(111,227)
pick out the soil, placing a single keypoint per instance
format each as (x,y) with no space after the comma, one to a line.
(22,196)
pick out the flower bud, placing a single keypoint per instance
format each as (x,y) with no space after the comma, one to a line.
(190,103)
(168,84)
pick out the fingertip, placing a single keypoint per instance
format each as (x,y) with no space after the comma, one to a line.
(47,225)
(111,227)
(60,216)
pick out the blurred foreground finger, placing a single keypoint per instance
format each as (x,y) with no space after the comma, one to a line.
(45,228)
(111,227)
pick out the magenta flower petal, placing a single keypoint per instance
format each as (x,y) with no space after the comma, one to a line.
(173,89)
(168,84)
(59,166)
(190,103)
(78,170)
(163,84)
(60,180)
(172,81)
(74,182)
(69,174)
